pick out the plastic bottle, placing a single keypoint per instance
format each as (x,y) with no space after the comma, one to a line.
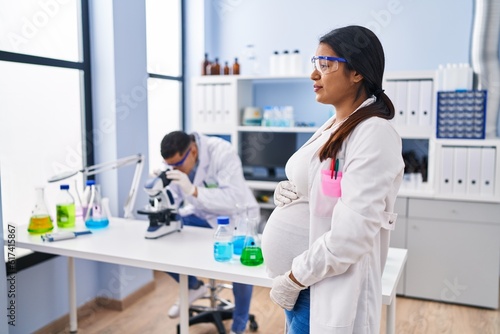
(96,215)
(240,229)
(236,67)
(40,221)
(252,252)
(226,68)
(285,63)
(274,62)
(296,63)
(65,208)
(204,65)
(223,240)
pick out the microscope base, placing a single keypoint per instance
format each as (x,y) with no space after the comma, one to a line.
(155,232)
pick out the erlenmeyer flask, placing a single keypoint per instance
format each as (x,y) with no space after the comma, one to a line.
(252,253)
(240,229)
(40,221)
(97,216)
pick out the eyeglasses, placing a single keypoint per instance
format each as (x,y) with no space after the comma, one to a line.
(180,162)
(325,64)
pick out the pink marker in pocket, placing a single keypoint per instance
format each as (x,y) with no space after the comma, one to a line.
(330,180)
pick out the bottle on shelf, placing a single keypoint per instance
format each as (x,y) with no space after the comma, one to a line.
(226,68)
(251,255)
(274,63)
(284,68)
(296,63)
(236,67)
(65,208)
(96,216)
(204,65)
(40,221)
(215,67)
(223,240)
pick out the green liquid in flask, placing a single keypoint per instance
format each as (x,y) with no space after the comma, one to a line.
(65,215)
(251,256)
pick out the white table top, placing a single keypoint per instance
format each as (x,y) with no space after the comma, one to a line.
(187,252)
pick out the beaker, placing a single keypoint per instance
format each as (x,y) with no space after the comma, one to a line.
(40,221)
(251,254)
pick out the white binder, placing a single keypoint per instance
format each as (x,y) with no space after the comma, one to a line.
(200,116)
(401,102)
(425,103)
(460,170)
(473,170)
(487,171)
(413,102)
(218,104)
(210,104)
(446,179)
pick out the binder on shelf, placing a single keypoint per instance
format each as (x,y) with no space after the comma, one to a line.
(473,170)
(218,102)
(228,102)
(200,116)
(209,104)
(459,170)
(488,171)
(413,102)
(401,102)
(447,162)
(425,103)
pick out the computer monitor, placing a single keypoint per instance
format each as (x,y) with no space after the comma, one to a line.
(270,150)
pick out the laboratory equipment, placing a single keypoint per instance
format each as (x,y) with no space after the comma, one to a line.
(223,240)
(96,216)
(138,159)
(51,237)
(236,67)
(240,229)
(65,208)
(40,221)
(161,210)
(252,252)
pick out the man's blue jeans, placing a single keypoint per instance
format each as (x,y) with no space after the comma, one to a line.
(242,292)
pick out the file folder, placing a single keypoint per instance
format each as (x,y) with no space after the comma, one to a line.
(488,171)
(218,101)
(401,102)
(413,102)
(446,180)
(200,111)
(473,170)
(459,170)
(425,103)
(210,104)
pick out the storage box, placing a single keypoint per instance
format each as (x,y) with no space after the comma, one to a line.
(461,114)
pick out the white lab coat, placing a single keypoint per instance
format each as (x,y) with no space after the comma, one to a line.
(220,182)
(349,236)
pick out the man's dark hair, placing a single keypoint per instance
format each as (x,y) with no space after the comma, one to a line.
(175,142)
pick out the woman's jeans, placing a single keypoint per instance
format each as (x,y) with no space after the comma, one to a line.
(297,320)
(242,292)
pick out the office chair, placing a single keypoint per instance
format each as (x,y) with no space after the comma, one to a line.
(220,309)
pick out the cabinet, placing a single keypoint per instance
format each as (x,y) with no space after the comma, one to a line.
(448,221)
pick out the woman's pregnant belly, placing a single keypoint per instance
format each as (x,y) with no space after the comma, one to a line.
(285,236)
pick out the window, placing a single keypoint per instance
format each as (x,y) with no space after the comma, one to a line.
(164,62)
(45,93)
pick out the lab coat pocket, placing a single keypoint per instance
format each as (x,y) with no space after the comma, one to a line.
(322,204)
(389,221)
(330,184)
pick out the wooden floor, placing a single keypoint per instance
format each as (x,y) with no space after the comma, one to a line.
(149,316)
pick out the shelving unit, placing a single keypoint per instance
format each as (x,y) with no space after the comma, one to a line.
(446,245)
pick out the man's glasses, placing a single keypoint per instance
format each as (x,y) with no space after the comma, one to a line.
(325,64)
(180,162)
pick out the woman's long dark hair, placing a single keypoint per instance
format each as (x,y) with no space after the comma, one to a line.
(364,54)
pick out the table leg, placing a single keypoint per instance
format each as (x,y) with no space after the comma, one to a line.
(184,304)
(391,317)
(73,321)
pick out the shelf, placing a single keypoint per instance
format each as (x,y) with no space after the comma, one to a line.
(295,129)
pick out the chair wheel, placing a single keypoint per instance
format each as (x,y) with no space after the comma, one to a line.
(253,326)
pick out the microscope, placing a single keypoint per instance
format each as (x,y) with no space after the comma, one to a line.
(161,211)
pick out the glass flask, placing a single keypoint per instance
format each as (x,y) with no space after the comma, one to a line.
(96,216)
(240,229)
(251,254)
(40,221)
